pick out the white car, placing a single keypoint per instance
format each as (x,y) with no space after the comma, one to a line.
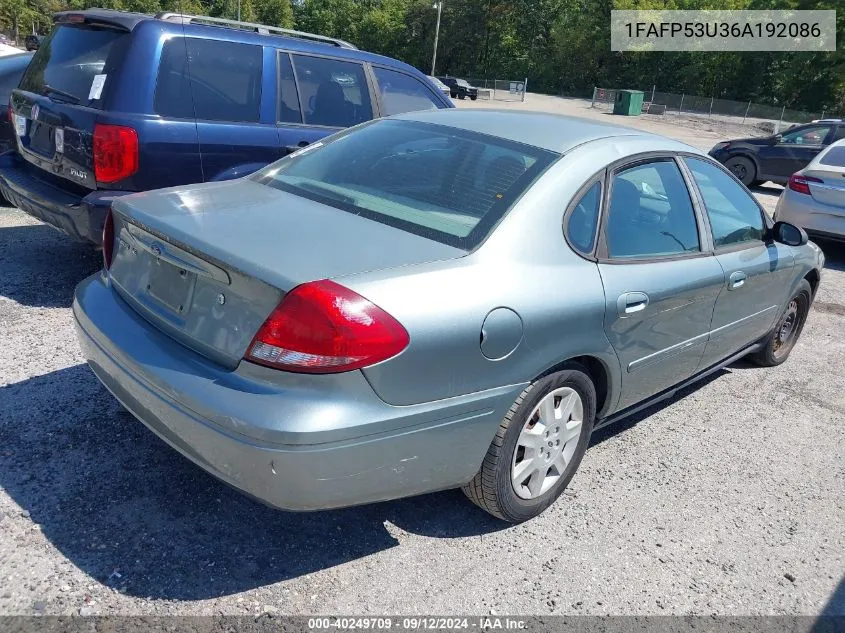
(815,196)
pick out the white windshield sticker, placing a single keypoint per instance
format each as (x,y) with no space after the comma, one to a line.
(96,87)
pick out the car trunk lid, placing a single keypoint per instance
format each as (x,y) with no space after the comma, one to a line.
(208,263)
(830,170)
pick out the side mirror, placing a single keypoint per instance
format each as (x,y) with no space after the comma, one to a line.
(789,234)
(774,140)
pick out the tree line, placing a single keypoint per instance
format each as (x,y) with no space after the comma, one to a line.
(561,46)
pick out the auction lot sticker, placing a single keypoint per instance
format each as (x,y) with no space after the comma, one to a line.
(723,30)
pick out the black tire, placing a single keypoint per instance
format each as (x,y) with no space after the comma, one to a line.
(491,489)
(453,94)
(473,98)
(743,168)
(462,96)
(790,323)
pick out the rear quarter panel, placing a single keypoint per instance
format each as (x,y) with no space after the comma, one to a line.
(444,307)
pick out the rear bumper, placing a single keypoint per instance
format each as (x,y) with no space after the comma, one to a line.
(293,441)
(818,219)
(80,217)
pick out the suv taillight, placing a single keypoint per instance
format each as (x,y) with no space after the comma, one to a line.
(115,152)
(108,240)
(801,184)
(322,327)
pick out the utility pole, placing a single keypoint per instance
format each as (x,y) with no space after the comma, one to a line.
(439,6)
(239,10)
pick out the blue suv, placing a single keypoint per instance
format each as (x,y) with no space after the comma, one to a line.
(116,102)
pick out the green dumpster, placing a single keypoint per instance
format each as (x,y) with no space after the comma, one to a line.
(628,102)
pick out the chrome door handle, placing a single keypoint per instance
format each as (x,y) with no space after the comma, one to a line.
(631,302)
(736,280)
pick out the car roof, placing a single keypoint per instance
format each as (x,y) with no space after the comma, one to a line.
(553,132)
(129,20)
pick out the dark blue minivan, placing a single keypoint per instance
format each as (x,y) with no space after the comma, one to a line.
(117,102)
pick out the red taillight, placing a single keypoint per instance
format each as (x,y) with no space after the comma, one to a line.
(73,18)
(321,327)
(108,240)
(801,184)
(115,152)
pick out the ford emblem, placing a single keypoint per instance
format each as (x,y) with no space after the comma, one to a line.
(221,299)
(156,249)
(35,111)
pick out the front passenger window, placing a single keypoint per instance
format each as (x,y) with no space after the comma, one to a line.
(734,215)
(650,213)
(806,136)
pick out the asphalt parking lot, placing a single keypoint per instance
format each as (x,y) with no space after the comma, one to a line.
(729,499)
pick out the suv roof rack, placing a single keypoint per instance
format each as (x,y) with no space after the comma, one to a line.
(263,29)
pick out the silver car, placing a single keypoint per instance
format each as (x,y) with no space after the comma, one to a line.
(814,198)
(435,300)
(440,86)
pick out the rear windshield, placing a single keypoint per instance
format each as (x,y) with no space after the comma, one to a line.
(445,184)
(835,156)
(68,61)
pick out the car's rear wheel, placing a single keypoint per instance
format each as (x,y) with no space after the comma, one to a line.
(743,168)
(453,94)
(787,330)
(473,97)
(537,447)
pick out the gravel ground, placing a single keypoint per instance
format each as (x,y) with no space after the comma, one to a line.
(727,500)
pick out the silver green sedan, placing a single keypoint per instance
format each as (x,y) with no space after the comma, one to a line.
(435,300)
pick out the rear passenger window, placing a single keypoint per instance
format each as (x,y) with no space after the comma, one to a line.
(402,93)
(333,92)
(650,213)
(734,215)
(288,97)
(581,226)
(223,78)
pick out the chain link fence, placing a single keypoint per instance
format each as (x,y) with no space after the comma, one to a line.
(761,117)
(500,89)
